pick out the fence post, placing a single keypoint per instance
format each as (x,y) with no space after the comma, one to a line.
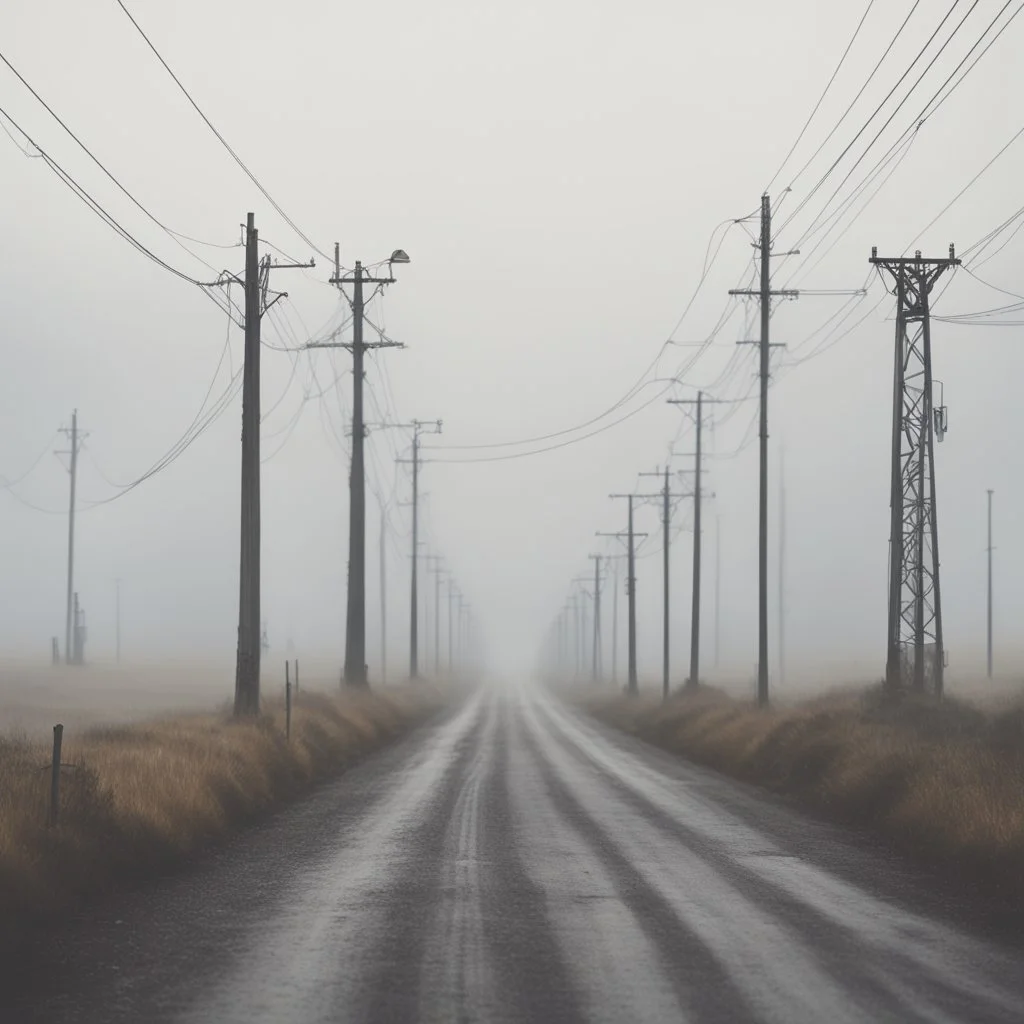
(58,736)
(287,703)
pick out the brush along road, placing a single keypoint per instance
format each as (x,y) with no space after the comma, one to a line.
(515,861)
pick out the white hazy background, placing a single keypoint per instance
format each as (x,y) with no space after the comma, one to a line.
(555,170)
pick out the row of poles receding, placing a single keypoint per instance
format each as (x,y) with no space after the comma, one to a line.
(915,654)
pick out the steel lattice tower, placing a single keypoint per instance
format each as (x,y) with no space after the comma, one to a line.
(914,651)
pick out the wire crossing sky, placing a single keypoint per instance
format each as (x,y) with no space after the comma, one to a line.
(577,187)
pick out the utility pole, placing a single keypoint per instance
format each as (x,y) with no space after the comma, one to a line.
(76,438)
(989,617)
(782,566)
(718,584)
(383,597)
(247,662)
(915,605)
(117,603)
(451,618)
(631,581)
(631,535)
(615,621)
(765,294)
(596,667)
(583,594)
(463,631)
(354,673)
(438,573)
(418,427)
(573,604)
(666,522)
(698,538)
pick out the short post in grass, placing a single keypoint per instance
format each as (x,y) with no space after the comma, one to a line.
(58,737)
(287,702)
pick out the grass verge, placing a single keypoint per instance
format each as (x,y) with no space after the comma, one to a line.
(943,781)
(141,798)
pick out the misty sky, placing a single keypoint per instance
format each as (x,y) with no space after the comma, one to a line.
(556,171)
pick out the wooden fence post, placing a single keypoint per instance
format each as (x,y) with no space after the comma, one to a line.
(58,736)
(287,703)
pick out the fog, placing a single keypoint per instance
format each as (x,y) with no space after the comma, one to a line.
(555,171)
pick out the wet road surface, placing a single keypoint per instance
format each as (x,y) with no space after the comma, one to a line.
(515,861)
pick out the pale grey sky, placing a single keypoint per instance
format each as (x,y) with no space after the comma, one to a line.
(555,171)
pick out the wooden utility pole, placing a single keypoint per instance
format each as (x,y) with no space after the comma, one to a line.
(117,586)
(76,437)
(989,616)
(383,597)
(596,661)
(765,295)
(631,584)
(694,678)
(438,573)
(354,672)
(630,535)
(782,566)
(451,627)
(247,662)
(247,665)
(762,499)
(418,427)
(666,524)
(718,586)
(615,621)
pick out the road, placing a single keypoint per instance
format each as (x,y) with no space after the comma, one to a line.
(515,861)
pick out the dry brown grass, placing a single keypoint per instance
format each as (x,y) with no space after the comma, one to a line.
(943,780)
(144,796)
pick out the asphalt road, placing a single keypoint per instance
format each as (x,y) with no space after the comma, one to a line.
(515,861)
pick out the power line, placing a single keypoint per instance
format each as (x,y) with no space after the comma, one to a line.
(608,426)
(853,102)
(928,109)
(113,224)
(224,142)
(6,484)
(821,98)
(175,235)
(821,181)
(709,261)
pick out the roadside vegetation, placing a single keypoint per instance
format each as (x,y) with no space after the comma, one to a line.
(943,780)
(139,798)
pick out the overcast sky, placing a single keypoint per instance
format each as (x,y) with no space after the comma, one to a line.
(556,171)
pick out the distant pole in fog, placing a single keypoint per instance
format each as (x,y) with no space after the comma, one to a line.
(438,573)
(782,565)
(76,437)
(418,428)
(615,622)
(718,583)
(451,626)
(117,602)
(383,597)
(989,549)
(596,666)
(630,536)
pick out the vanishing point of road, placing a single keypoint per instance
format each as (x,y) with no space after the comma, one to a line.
(514,861)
